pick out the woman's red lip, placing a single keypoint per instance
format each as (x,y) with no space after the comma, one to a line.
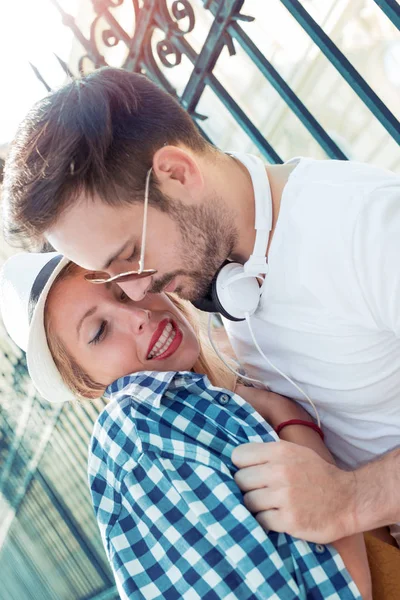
(174,345)
(156,335)
(176,342)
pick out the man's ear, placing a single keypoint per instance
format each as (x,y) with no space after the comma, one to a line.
(178,172)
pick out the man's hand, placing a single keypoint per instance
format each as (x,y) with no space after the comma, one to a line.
(292,489)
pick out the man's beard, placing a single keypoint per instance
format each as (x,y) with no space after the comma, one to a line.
(208,237)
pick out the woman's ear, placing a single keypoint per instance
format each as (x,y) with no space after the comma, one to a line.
(178,173)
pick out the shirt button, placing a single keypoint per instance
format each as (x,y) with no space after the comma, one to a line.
(319,548)
(224,399)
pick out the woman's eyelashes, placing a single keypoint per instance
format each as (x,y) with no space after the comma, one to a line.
(100,333)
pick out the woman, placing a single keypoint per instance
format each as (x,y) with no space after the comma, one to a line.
(172,519)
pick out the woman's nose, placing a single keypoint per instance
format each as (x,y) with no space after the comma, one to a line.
(134,318)
(137,289)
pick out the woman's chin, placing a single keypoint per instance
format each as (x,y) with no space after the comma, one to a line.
(183,360)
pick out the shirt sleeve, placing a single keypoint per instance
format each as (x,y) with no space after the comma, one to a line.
(184,532)
(377,254)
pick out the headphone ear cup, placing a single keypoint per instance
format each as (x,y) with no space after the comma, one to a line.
(232,293)
(209,302)
(219,306)
(206,303)
(236,292)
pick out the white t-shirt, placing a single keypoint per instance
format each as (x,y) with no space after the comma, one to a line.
(330,314)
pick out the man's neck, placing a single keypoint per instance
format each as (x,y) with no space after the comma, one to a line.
(278,176)
(238,192)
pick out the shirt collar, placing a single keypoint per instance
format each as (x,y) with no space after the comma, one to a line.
(146,386)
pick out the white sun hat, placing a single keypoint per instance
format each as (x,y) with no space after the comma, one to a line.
(25,281)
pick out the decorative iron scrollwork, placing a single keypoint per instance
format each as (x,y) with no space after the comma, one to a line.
(170,24)
(109,38)
(182,9)
(100,6)
(175,19)
(166,48)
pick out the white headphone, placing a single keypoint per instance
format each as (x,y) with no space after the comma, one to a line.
(235,290)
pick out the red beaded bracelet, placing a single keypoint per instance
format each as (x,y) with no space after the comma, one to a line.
(279,428)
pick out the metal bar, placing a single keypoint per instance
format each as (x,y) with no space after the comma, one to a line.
(391,8)
(245,123)
(74,528)
(91,49)
(82,494)
(109,594)
(34,462)
(21,541)
(203,133)
(23,422)
(142,28)
(210,52)
(286,93)
(59,546)
(115,27)
(76,479)
(39,76)
(345,68)
(38,526)
(78,445)
(196,84)
(248,126)
(42,522)
(84,421)
(69,482)
(64,66)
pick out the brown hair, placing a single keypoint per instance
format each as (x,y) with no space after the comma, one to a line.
(85,387)
(96,135)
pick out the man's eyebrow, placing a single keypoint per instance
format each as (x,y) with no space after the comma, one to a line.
(88,313)
(116,254)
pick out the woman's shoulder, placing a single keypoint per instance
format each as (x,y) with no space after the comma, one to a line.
(115,442)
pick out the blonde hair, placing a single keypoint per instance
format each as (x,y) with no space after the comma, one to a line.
(84,387)
(208,363)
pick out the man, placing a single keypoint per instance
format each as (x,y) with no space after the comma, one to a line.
(329,316)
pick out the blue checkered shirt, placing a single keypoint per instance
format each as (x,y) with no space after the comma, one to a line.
(171,516)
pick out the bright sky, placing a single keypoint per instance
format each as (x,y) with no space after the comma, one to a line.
(30,30)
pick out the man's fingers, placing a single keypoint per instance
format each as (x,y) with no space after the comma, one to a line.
(251,478)
(254,453)
(271,520)
(262,499)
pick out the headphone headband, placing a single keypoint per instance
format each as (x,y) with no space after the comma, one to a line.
(235,290)
(257,262)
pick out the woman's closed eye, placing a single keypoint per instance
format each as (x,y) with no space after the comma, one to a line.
(100,335)
(102,331)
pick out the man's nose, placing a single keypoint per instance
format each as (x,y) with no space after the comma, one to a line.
(137,289)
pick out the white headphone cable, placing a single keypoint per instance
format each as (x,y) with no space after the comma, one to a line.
(210,316)
(247,316)
(307,397)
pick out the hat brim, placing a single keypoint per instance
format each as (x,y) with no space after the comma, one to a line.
(41,366)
